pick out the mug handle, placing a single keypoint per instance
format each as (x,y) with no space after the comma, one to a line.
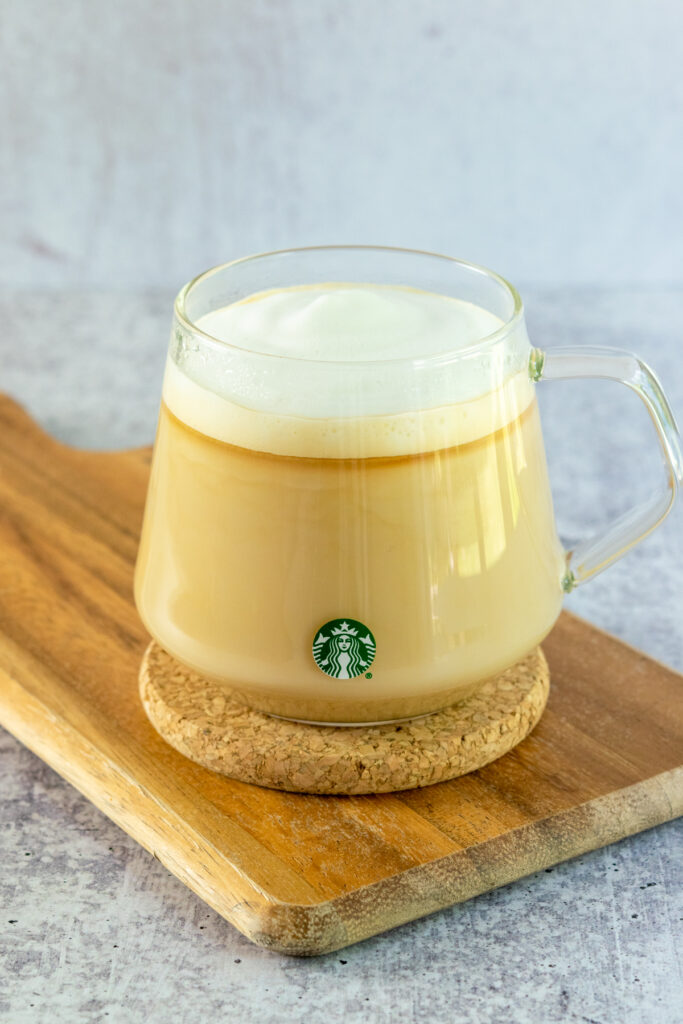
(572,362)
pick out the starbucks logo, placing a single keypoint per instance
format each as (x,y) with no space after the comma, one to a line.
(344,648)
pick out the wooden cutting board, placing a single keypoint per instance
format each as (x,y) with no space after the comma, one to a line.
(299,874)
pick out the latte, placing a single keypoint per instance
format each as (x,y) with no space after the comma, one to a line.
(354,553)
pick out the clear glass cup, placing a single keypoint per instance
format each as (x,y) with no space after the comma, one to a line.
(347,541)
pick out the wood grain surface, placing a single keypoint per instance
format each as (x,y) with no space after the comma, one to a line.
(298,873)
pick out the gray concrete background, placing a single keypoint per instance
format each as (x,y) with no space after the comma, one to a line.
(94,929)
(143,142)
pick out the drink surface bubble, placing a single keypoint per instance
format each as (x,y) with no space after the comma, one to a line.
(348,370)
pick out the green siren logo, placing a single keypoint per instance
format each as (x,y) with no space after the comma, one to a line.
(344,648)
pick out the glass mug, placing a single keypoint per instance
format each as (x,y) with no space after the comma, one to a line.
(349,517)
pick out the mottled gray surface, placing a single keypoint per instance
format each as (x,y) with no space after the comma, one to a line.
(95,929)
(147,141)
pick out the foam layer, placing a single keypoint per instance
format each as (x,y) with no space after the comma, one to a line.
(316,372)
(359,323)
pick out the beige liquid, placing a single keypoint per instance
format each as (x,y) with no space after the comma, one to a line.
(449,556)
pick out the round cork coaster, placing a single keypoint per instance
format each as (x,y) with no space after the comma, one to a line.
(199,719)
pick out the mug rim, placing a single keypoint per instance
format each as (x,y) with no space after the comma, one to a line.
(445,356)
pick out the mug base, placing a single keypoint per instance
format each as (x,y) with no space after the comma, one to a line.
(346,725)
(200,719)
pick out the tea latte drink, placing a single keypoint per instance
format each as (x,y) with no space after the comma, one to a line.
(358,552)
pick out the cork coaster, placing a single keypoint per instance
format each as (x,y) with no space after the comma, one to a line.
(199,719)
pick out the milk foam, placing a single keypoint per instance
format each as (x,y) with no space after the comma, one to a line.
(335,371)
(357,323)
